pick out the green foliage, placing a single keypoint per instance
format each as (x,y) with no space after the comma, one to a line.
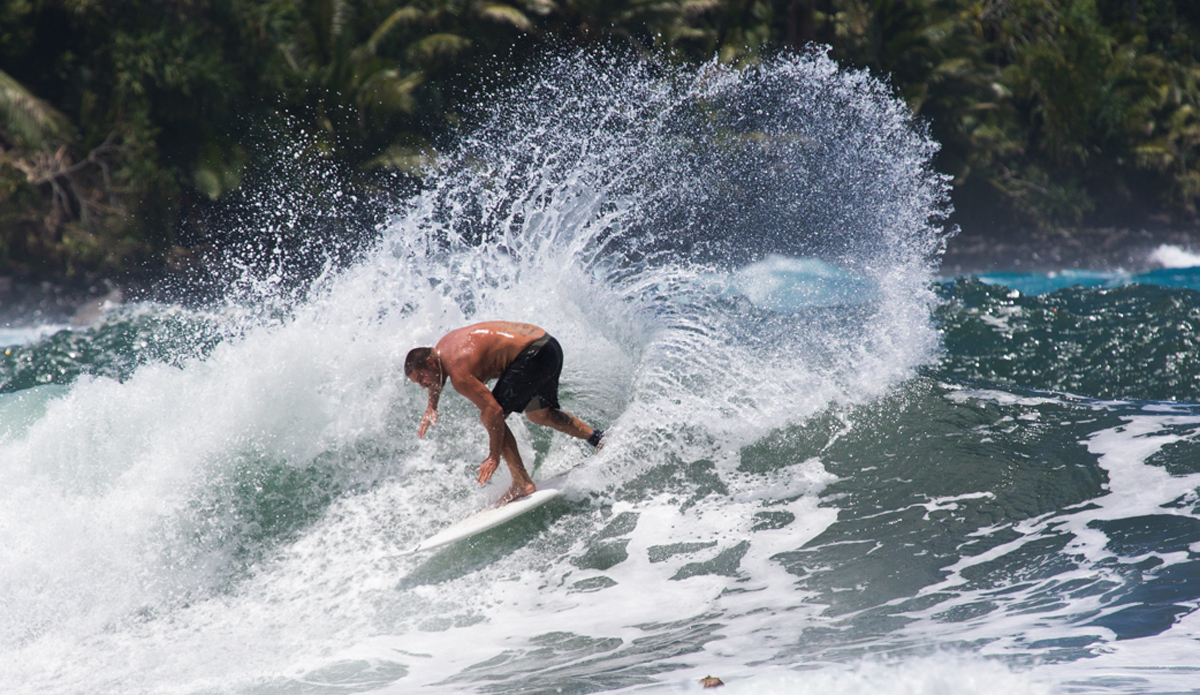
(29,121)
(120,123)
(1051,112)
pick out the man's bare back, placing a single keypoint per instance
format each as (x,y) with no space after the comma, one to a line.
(485,350)
(527,362)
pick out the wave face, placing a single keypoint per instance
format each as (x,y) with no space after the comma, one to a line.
(819,474)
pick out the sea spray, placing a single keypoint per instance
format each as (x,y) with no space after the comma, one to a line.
(253,492)
(603,198)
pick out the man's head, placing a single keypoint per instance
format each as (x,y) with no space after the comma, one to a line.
(422,367)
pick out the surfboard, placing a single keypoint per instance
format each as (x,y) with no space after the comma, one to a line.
(493,516)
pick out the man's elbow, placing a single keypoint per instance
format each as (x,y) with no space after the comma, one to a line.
(492,415)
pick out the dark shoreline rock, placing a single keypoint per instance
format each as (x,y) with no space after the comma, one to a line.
(33,300)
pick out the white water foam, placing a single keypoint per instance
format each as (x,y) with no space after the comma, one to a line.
(1034,615)
(153,550)
(12,336)
(1171,256)
(946,674)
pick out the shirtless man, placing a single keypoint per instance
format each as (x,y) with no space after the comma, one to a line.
(527,362)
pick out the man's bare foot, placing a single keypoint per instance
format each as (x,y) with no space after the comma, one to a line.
(516,492)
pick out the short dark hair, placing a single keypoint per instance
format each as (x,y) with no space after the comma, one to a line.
(417,357)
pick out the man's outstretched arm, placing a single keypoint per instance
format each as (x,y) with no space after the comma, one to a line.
(492,416)
(430,419)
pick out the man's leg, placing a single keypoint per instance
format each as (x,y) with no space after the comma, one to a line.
(522,484)
(562,421)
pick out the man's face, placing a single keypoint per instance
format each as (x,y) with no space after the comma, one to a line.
(423,377)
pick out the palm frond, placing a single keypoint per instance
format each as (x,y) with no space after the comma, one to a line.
(540,7)
(437,46)
(504,14)
(405,16)
(390,90)
(27,118)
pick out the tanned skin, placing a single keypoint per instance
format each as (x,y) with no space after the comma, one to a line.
(470,357)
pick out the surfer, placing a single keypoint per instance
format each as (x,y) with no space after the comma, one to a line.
(526,361)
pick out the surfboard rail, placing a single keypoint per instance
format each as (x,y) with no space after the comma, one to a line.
(486,519)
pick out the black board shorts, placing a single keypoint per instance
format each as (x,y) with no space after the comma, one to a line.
(533,373)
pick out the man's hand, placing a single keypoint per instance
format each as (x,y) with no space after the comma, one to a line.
(428,421)
(487,468)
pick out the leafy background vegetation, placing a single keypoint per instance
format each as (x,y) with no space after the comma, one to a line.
(128,128)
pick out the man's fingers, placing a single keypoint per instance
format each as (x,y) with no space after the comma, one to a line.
(426,422)
(486,470)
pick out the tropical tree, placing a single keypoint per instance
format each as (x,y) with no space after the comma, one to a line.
(127,128)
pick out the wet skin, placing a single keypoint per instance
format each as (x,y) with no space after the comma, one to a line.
(471,356)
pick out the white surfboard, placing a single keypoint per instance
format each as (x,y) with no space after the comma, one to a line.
(493,516)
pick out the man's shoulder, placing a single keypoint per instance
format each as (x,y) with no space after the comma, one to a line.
(516,331)
(478,347)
